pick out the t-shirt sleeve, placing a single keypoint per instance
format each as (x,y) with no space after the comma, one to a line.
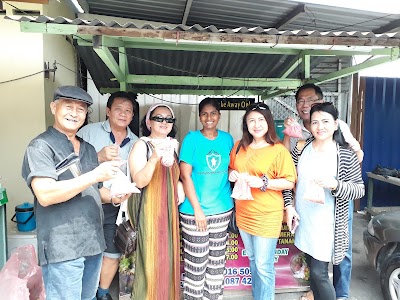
(348,137)
(188,149)
(38,163)
(284,166)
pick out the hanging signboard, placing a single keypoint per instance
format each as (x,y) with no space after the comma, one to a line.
(235,103)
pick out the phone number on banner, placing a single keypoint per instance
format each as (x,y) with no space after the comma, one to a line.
(237,276)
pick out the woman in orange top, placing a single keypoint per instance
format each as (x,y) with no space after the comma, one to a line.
(267,167)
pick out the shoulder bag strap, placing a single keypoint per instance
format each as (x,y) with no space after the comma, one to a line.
(142,190)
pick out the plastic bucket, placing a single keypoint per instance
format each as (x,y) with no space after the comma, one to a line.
(25,217)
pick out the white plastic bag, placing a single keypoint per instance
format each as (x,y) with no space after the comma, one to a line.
(121,185)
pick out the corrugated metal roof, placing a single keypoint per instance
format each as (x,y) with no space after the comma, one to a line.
(244,13)
(214,64)
(211,29)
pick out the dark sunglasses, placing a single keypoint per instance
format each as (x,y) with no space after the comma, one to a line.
(161,119)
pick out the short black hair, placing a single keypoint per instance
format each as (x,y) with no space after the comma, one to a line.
(316,88)
(209,101)
(120,94)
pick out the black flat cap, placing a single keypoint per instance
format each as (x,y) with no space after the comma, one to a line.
(73,93)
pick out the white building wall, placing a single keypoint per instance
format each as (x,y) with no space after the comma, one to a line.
(24,102)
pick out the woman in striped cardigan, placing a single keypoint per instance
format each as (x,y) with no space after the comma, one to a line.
(327,164)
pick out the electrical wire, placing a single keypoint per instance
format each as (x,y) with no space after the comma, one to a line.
(22,77)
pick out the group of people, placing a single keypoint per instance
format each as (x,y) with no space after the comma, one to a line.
(70,170)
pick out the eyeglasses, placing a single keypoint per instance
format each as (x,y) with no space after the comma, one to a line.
(308,101)
(161,119)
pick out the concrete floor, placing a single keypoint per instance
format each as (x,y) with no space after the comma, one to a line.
(364,284)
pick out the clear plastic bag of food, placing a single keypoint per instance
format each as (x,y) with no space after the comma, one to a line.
(241,189)
(314,192)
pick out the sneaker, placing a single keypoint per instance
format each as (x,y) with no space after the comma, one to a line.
(105,297)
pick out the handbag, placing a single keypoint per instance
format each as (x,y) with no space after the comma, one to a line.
(232,227)
(126,235)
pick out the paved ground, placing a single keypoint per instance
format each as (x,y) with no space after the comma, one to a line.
(364,284)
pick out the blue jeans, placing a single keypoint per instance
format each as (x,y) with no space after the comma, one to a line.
(261,254)
(72,279)
(342,272)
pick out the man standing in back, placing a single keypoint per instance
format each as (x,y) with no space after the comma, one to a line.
(112,140)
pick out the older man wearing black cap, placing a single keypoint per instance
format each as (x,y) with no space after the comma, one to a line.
(65,178)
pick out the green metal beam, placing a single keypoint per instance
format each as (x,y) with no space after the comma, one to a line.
(123,64)
(354,69)
(213,81)
(186,46)
(285,74)
(140,43)
(109,60)
(187,92)
(277,93)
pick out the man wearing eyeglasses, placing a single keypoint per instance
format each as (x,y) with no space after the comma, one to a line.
(306,96)
(112,140)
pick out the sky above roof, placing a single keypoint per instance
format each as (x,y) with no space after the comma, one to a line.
(383,6)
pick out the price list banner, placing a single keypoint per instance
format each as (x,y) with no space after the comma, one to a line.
(290,265)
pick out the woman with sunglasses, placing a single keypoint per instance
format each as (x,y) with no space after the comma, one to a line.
(328,164)
(265,165)
(204,160)
(157,267)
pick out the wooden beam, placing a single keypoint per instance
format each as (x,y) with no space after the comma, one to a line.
(300,9)
(270,39)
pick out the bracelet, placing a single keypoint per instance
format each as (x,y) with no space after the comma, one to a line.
(265,183)
(115,205)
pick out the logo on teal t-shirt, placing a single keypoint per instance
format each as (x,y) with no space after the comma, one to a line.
(213,160)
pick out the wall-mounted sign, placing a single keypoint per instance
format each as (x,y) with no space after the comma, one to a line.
(235,103)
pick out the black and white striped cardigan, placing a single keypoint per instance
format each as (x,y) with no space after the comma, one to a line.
(350,187)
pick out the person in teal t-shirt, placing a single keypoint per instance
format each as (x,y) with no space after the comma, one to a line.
(205,213)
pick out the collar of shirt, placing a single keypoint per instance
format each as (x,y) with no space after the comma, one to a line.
(107,127)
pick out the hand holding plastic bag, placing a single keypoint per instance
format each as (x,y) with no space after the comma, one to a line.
(21,277)
(293,130)
(314,192)
(121,186)
(241,189)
